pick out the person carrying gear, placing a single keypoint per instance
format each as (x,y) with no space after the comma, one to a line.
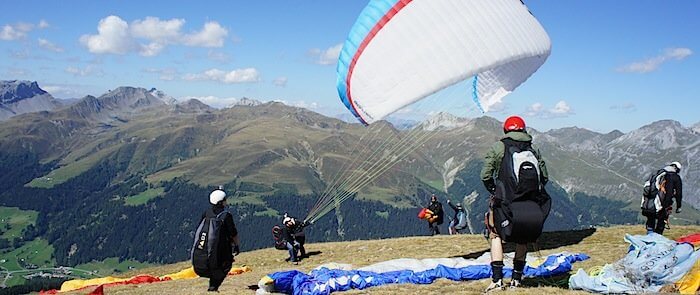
(515,174)
(438,215)
(216,242)
(668,186)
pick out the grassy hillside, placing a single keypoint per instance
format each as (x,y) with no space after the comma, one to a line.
(603,245)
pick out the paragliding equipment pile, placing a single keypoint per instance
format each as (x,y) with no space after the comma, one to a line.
(405,55)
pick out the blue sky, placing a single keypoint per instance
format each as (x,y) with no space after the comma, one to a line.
(614,64)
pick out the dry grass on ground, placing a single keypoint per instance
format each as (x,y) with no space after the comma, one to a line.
(603,245)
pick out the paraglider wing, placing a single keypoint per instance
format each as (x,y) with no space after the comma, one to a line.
(400,51)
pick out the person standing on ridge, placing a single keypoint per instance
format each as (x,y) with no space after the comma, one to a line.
(515,174)
(459,220)
(297,230)
(216,242)
(670,188)
(293,246)
(434,223)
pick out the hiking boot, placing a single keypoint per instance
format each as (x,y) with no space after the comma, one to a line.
(213,289)
(514,284)
(495,286)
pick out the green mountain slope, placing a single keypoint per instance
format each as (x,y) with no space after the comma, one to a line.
(128,167)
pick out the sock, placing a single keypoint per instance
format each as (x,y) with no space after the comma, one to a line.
(518,267)
(497,270)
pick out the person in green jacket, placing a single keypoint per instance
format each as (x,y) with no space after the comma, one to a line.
(515,174)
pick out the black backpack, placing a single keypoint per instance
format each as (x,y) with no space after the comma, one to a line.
(206,239)
(280,242)
(652,195)
(521,203)
(525,169)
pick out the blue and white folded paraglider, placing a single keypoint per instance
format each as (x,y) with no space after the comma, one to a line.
(331,278)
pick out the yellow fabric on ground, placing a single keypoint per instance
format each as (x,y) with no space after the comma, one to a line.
(187,273)
(78,284)
(690,283)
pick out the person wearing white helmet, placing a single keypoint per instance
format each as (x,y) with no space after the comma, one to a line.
(290,239)
(227,242)
(668,186)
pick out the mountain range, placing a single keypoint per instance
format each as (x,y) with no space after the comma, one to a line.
(134,165)
(20,97)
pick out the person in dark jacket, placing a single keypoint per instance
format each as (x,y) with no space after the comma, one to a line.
(515,174)
(299,235)
(436,207)
(672,190)
(288,234)
(455,225)
(228,242)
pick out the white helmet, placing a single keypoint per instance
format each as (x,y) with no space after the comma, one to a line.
(287,219)
(217,196)
(677,164)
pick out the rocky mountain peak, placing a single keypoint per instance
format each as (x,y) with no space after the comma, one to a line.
(664,134)
(167,99)
(245,101)
(445,121)
(12,91)
(192,106)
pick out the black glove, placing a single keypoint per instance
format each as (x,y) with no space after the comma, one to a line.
(305,223)
(490,185)
(678,210)
(236,250)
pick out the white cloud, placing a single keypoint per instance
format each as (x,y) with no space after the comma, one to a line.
(218,56)
(68,90)
(19,54)
(624,108)
(560,110)
(20,30)
(534,110)
(43,24)
(48,45)
(212,35)
(151,49)
(328,56)
(652,64)
(10,33)
(167,74)
(280,81)
(247,75)
(153,28)
(299,104)
(112,37)
(217,102)
(87,71)
(17,72)
(116,36)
